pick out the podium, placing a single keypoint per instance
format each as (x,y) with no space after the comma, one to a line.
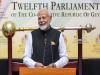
(26,70)
(47,71)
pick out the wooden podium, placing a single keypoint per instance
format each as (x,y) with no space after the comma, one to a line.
(47,71)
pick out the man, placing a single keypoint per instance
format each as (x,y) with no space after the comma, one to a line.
(45,46)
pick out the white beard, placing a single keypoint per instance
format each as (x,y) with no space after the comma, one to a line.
(44,27)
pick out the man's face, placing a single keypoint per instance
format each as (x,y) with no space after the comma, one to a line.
(44,19)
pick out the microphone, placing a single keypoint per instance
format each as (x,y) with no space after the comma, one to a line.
(51,44)
(45,42)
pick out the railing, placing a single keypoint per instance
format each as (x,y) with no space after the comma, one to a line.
(79,30)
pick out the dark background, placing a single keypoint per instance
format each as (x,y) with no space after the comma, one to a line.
(90,66)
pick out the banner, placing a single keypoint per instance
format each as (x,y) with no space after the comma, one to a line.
(66,13)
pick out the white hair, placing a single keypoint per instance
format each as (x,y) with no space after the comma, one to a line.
(48,11)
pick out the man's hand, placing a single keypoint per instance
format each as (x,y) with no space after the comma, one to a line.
(52,65)
(39,64)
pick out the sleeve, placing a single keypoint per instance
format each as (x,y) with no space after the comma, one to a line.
(28,52)
(62,53)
